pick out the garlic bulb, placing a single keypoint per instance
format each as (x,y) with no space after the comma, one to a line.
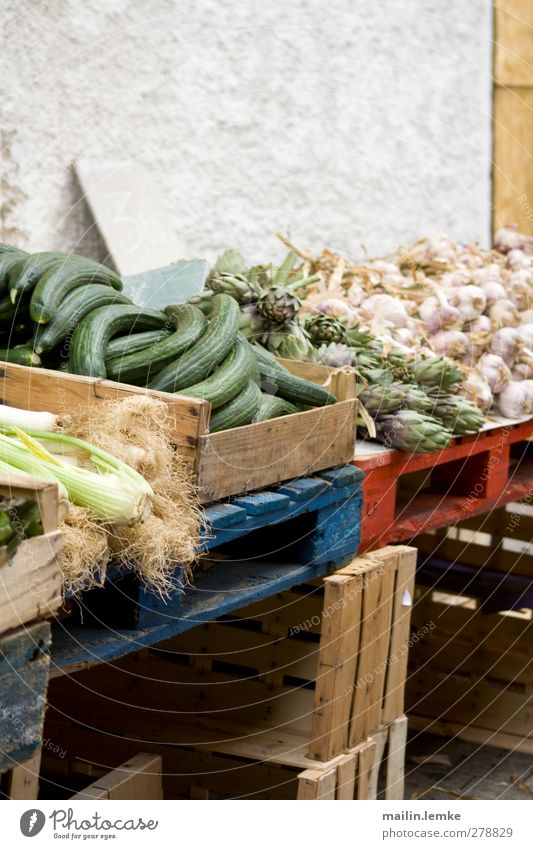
(526,317)
(450,343)
(469,300)
(488,274)
(519,290)
(515,400)
(522,371)
(385,309)
(493,369)
(439,316)
(508,238)
(506,343)
(517,259)
(477,390)
(525,332)
(453,279)
(336,308)
(493,291)
(480,326)
(503,313)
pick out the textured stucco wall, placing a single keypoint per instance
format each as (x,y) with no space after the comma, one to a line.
(345,122)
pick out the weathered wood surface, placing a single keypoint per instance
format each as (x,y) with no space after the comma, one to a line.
(30,586)
(138,778)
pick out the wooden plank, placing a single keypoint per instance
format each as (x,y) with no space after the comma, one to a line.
(513,65)
(131,214)
(264,453)
(401,620)
(341,382)
(30,586)
(513,152)
(138,778)
(473,734)
(317,784)
(395,780)
(380,738)
(45,494)
(472,554)
(366,764)
(337,660)
(346,777)
(23,780)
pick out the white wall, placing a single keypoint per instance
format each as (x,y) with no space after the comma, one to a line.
(347,122)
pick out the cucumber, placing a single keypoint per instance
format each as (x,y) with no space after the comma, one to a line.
(239,411)
(25,274)
(268,359)
(136,367)
(275,381)
(228,380)
(213,347)
(9,257)
(270,407)
(61,279)
(90,339)
(71,310)
(133,343)
(23,355)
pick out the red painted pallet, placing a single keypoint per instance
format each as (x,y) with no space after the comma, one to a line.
(408,494)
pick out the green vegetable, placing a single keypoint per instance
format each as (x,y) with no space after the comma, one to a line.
(215,344)
(25,274)
(228,380)
(135,367)
(71,310)
(291,388)
(92,335)
(271,407)
(132,343)
(22,355)
(9,257)
(59,280)
(237,412)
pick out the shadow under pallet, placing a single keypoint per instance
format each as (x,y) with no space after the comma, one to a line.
(261,544)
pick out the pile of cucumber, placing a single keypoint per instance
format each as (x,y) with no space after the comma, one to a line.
(70,313)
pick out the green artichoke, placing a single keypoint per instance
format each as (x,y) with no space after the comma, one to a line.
(289,341)
(381,399)
(335,355)
(251,324)
(438,372)
(458,414)
(357,337)
(236,285)
(407,430)
(279,305)
(323,329)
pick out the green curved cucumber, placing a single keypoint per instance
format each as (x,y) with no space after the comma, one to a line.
(74,306)
(61,279)
(91,337)
(228,380)
(212,347)
(136,367)
(133,343)
(9,257)
(271,407)
(268,359)
(291,388)
(22,355)
(25,274)
(237,412)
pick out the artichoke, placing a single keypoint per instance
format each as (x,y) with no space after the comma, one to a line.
(289,341)
(438,372)
(381,399)
(236,285)
(251,324)
(335,355)
(279,305)
(357,337)
(323,329)
(458,414)
(407,430)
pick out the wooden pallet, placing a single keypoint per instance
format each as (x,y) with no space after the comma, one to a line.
(30,584)
(407,494)
(265,543)
(138,778)
(294,679)
(373,768)
(472,674)
(233,461)
(24,662)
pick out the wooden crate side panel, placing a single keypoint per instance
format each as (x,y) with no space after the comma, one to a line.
(393,705)
(513,43)
(30,586)
(513,154)
(138,778)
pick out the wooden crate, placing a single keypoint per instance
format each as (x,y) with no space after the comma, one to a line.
(374,766)
(138,778)
(472,674)
(232,461)
(24,662)
(30,585)
(299,676)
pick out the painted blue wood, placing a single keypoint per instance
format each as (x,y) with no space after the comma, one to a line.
(224,588)
(262,502)
(301,490)
(224,515)
(23,686)
(342,476)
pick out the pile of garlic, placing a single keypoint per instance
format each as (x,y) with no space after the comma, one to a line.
(474,306)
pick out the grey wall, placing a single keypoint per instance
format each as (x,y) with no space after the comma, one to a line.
(347,122)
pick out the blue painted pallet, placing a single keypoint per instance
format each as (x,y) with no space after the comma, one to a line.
(272,540)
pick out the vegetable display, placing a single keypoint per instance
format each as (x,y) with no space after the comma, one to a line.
(20,519)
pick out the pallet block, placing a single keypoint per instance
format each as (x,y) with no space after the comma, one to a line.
(408,494)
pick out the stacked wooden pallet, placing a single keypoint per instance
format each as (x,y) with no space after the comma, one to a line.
(298,695)
(30,593)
